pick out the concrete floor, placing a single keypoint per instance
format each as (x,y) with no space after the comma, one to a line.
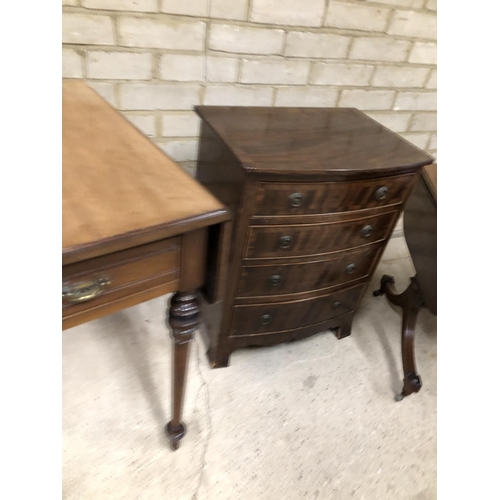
(312,419)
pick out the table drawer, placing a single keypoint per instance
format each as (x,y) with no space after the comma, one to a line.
(95,282)
(274,198)
(280,316)
(315,239)
(278,279)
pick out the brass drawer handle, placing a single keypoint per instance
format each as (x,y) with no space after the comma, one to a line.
(366,231)
(285,242)
(381,193)
(266,319)
(337,304)
(85,290)
(275,280)
(350,268)
(295,200)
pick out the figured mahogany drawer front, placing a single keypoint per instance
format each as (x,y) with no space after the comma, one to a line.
(101,280)
(311,239)
(278,279)
(280,316)
(275,198)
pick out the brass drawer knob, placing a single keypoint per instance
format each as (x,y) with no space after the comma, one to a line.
(337,304)
(381,193)
(366,231)
(84,290)
(285,242)
(275,280)
(266,319)
(350,268)
(295,200)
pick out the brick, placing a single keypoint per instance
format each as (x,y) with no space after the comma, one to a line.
(397,122)
(181,149)
(189,167)
(182,68)
(288,12)
(230,95)
(161,34)
(409,4)
(222,69)
(119,65)
(146,124)
(397,76)
(423,53)
(433,142)
(356,17)
(431,5)
(416,101)
(130,5)
(180,124)
(419,140)
(105,90)
(142,96)
(245,40)
(379,49)
(432,82)
(417,24)
(71,64)
(313,97)
(87,28)
(367,99)
(324,45)
(424,122)
(188,7)
(280,72)
(341,74)
(228,9)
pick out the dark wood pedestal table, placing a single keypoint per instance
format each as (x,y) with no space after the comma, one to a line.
(135,226)
(420,227)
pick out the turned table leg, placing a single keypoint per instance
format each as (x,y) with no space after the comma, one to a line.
(410,300)
(183,318)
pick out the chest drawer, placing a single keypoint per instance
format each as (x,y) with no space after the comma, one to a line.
(315,239)
(292,198)
(280,316)
(278,279)
(99,281)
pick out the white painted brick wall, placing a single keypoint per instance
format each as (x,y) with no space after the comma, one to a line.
(395,76)
(228,9)
(128,5)
(145,123)
(87,28)
(156,59)
(288,12)
(118,65)
(245,40)
(284,72)
(367,99)
(379,49)
(164,33)
(229,95)
(341,74)
(357,16)
(141,96)
(182,67)
(312,97)
(71,64)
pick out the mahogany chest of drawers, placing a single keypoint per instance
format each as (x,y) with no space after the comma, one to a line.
(315,194)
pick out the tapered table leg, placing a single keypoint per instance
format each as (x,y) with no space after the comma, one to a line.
(183,318)
(410,301)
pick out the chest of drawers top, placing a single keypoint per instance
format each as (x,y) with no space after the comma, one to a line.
(341,143)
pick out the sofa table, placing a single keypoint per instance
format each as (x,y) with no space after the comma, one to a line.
(135,226)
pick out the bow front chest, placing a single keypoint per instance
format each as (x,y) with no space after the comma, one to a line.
(315,195)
